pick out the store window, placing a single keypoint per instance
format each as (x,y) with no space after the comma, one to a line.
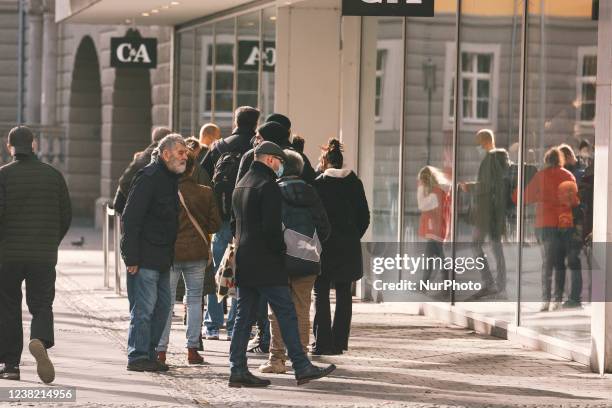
(410,144)
(229,63)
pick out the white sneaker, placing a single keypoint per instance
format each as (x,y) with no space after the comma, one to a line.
(556,306)
(44,366)
(544,307)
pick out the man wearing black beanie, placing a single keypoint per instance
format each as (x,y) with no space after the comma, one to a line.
(279,118)
(275,131)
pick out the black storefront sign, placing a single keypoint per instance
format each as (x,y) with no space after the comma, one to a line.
(406,8)
(133,52)
(249,56)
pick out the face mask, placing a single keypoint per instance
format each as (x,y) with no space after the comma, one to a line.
(481,151)
(281,169)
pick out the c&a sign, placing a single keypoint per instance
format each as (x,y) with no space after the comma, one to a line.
(250,56)
(406,8)
(133,52)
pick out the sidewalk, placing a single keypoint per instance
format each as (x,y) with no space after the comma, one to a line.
(395,359)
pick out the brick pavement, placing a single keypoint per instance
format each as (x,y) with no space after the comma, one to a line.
(395,359)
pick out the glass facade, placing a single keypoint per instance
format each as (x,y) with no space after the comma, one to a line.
(224,64)
(526,74)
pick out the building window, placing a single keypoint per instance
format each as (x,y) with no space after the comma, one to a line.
(223,77)
(479,67)
(381,59)
(586,85)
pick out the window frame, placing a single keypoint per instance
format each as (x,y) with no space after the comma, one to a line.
(449,73)
(390,116)
(204,110)
(380,75)
(584,51)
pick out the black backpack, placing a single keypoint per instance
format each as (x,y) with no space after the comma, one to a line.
(224,179)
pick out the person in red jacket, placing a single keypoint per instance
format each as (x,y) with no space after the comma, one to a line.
(553,190)
(433,200)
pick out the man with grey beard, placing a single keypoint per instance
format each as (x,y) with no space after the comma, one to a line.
(150,225)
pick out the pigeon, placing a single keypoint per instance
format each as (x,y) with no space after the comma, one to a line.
(79,243)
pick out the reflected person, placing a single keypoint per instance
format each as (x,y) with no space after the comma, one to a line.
(491,195)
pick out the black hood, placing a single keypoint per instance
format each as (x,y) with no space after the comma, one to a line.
(296,192)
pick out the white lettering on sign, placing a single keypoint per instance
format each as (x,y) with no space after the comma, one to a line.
(126,53)
(269,57)
(393,1)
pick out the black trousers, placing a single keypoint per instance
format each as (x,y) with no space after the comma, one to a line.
(328,336)
(40,292)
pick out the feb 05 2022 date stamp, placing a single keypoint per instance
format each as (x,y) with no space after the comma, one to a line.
(37,394)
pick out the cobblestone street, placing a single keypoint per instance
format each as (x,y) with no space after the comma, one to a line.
(395,359)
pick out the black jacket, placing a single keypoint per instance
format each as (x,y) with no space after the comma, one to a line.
(303,212)
(35,211)
(492,193)
(256,224)
(344,200)
(239,141)
(308,174)
(150,219)
(125,181)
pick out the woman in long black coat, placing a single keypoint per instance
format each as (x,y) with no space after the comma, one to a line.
(344,199)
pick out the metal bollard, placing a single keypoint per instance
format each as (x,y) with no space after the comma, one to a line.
(105,237)
(117,254)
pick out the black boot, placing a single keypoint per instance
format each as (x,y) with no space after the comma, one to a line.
(143,365)
(10,372)
(246,379)
(312,373)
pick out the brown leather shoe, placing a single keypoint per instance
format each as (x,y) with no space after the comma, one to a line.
(193,357)
(161,356)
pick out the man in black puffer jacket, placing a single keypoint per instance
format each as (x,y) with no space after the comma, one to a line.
(35,214)
(150,226)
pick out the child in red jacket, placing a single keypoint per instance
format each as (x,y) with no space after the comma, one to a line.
(433,200)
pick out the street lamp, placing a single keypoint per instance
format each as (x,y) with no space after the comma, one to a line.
(429,85)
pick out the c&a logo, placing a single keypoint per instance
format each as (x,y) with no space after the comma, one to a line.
(133,52)
(127,53)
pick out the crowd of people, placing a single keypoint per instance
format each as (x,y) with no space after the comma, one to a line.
(192,203)
(251,209)
(561,191)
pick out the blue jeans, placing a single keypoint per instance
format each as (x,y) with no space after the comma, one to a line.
(279,299)
(149,296)
(193,275)
(213,319)
(263,324)
(553,262)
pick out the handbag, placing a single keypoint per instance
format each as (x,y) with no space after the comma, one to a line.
(225,279)
(196,226)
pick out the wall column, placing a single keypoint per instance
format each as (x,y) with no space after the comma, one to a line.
(34,26)
(601,315)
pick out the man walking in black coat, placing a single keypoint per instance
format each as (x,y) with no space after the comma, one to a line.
(35,214)
(260,268)
(150,227)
